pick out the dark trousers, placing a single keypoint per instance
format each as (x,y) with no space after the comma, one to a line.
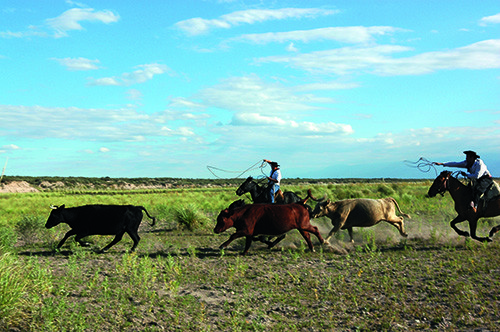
(480,187)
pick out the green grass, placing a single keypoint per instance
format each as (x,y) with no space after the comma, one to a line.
(179,280)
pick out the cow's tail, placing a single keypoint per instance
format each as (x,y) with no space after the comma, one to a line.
(396,204)
(152,218)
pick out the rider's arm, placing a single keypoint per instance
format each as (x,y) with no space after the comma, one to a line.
(461,164)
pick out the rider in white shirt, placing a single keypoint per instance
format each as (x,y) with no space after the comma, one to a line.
(274,178)
(477,172)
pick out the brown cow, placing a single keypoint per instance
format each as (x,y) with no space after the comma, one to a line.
(266,219)
(360,212)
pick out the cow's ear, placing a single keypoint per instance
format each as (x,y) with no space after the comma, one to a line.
(62,206)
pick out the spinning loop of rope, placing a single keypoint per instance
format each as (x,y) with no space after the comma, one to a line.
(422,164)
(213,169)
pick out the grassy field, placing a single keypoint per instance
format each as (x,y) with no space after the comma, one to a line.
(179,280)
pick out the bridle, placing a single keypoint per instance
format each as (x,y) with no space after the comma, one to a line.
(445,185)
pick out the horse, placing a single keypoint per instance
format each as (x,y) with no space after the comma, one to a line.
(261,194)
(462,196)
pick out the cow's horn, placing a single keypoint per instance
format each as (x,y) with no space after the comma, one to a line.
(53,207)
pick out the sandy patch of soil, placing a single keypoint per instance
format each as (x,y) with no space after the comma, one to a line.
(17,187)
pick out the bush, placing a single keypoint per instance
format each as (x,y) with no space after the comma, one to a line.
(385,190)
(21,286)
(8,238)
(31,228)
(189,217)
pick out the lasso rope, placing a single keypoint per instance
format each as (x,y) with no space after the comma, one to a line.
(422,164)
(211,169)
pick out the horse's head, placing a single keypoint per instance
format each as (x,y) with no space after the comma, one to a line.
(245,186)
(440,184)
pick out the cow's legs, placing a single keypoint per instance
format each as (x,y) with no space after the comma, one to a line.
(315,231)
(307,237)
(351,234)
(117,239)
(455,221)
(248,242)
(335,229)
(135,237)
(231,239)
(66,236)
(275,242)
(398,223)
(79,237)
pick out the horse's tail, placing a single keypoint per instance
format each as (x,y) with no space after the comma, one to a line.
(396,204)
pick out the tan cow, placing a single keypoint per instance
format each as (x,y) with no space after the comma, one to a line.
(360,212)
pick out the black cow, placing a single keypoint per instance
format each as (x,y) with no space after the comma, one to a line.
(99,220)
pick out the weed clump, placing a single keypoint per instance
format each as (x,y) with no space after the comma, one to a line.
(30,228)
(190,217)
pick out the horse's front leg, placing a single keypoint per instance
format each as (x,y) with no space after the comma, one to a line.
(473,228)
(457,220)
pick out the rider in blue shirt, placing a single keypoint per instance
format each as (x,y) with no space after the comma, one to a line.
(274,178)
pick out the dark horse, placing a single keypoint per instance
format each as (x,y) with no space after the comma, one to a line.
(261,194)
(462,195)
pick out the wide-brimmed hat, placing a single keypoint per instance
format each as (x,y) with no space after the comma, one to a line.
(471,153)
(274,164)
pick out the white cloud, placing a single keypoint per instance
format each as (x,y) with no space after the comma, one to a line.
(198,26)
(326,86)
(73,123)
(379,59)
(60,26)
(290,127)
(134,94)
(142,74)
(78,63)
(494,19)
(11,147)
(251,94)
(350,35)
(291,48)
(104,150)
(71,19)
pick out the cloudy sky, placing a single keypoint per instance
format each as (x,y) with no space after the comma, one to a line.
(329,89)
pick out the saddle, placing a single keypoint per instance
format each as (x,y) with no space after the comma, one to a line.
(493,191)
(278,196)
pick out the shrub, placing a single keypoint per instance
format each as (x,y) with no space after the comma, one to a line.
(21,286)
(8,238)
(30,228)
(385,190)
(190,217)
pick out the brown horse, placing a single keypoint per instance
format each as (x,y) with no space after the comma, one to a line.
(462,195)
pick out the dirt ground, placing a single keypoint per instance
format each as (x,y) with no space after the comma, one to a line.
(422,284)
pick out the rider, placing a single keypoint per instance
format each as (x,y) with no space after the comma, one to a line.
(477,172)
(274,178)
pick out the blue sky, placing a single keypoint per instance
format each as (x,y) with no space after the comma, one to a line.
(329,89)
